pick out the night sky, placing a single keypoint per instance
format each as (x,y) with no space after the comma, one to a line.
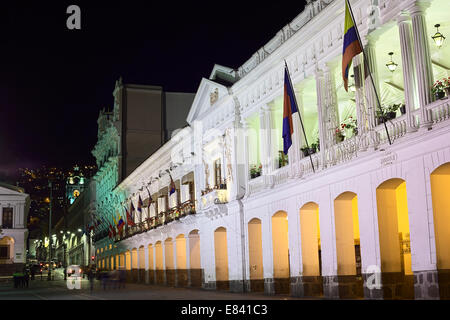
(54,81)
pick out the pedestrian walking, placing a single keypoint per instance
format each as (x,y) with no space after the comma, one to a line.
(91,279)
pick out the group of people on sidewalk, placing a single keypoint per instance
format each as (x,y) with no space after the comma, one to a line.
(109,279)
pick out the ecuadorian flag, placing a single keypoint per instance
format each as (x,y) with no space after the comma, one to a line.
(289,108)
(352,47)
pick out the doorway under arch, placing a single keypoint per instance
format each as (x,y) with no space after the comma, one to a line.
(170,267)
(6,250)
(348,245)
(440,186)
(134,265)
(151,265)
(221,258)
(280,249)
(311,250)
(255,253)
(195,268)
(159,263)
(181,267)
(393,229)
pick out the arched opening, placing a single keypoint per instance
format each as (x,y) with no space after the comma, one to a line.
(160,273)
(348,245)
(393,228)
(128,265)
(127,260)
(311,251)
(141,264)
(134,264)
(122,261)
(195,269)
(221,258)
(182,274)
(111,261)
(280,243)
(6,250)
(151,265)
(255,255)
(440,184)
(170,267)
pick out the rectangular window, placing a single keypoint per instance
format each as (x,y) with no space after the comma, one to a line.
(217,173)
(7,222)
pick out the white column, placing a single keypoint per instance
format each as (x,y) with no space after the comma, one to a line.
(295,257)
(424,69)
(267,246)
(246,157)
(320,110)
(188,251)
(409,76)
(272,153)
(264,148)
(419,221)
(330,110)
(368,223)
(327,234)
(174,253)
(371,93)
(361,114)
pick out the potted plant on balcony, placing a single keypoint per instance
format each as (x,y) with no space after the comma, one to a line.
(255,171)
(391,111)
(381,115)
(308,151)
(438,89)
(282,159)
(339,135)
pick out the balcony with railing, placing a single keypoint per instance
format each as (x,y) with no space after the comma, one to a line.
(163,218)
(218,195)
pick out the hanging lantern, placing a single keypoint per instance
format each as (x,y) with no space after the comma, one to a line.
(438,37)
(391,65)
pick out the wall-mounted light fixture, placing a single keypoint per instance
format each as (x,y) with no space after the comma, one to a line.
(438,37)
(391,65)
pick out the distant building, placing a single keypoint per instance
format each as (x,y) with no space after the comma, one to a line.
(141,123)
(14,207)
(73,243)
(138,125)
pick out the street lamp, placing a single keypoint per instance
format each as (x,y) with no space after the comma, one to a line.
(50,232)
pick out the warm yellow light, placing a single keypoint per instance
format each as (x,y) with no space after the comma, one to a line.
(438,37)
(391,65)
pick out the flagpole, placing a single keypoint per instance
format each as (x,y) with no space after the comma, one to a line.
(301,122)
(366,62)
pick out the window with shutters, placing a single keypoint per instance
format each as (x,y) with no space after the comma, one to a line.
(7,218)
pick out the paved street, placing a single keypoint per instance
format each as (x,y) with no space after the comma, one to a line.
(57,290)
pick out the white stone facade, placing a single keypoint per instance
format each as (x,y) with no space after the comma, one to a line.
(13,232)
(247,232)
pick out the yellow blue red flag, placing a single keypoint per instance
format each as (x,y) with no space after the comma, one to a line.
(352,46)
(289,108)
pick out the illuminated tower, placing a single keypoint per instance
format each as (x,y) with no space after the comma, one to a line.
(75,184)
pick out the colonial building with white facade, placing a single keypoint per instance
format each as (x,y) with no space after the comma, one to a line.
(14,207)
(358,214)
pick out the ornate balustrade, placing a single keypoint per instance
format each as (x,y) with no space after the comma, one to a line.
(216,196)
(439,110)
